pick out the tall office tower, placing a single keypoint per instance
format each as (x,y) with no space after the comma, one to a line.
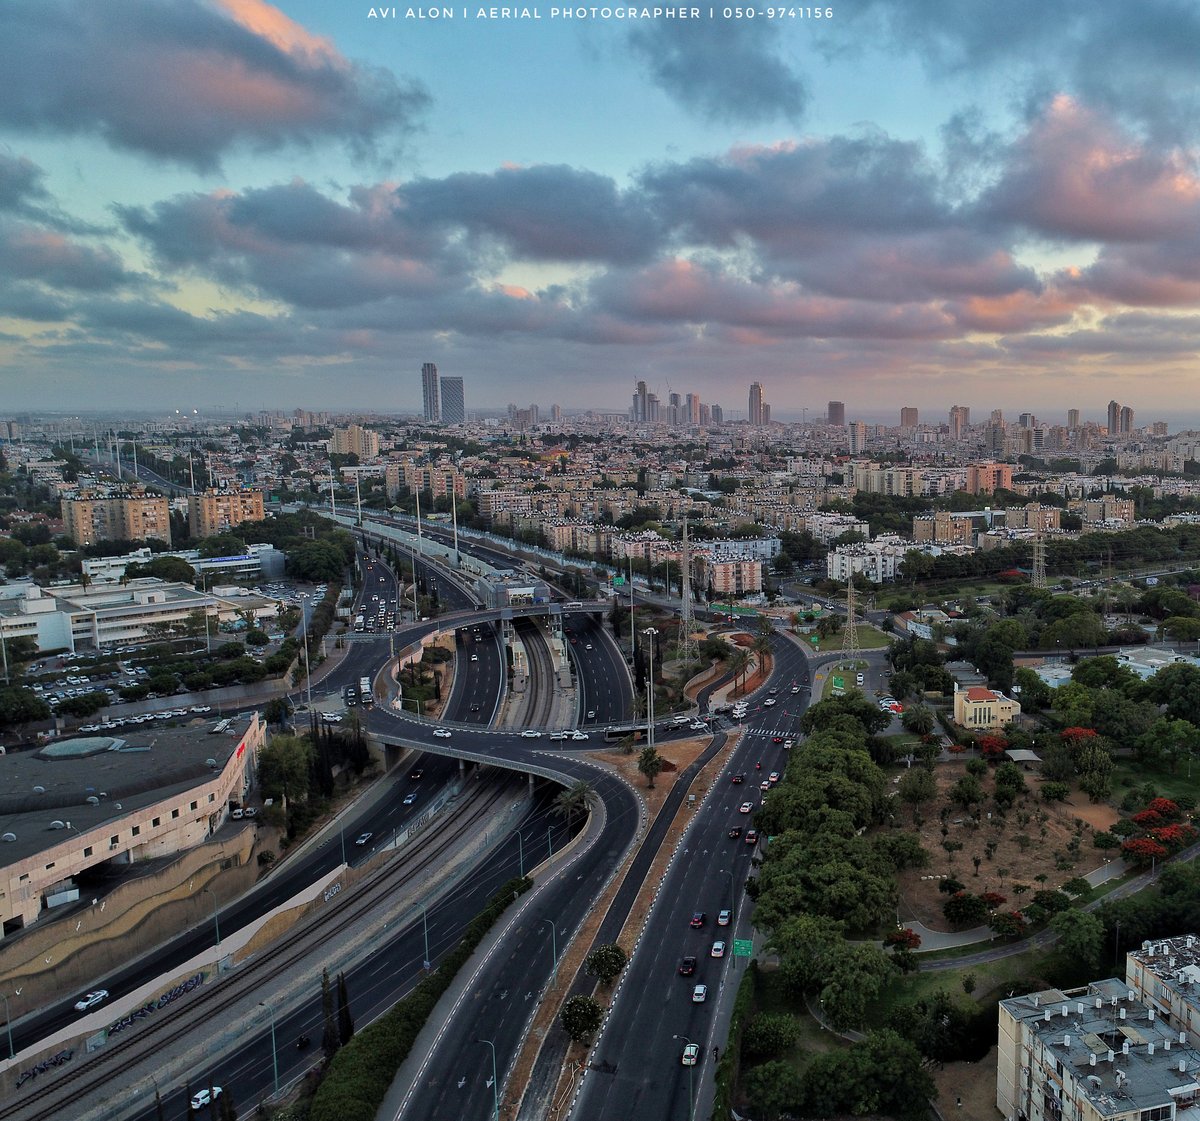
(1072,418)
(766,414)
(756,403)
(556,413)
(512,411)
(674,400)
(908,417)
(836,414)
(693,408)
(1126,420)
(960,419)
(857,436)
(706,414)
(429,393)
(1114,418)
(1027,420)
(640,403)
(997,417)
(535,414)
(454,406)
(718,414)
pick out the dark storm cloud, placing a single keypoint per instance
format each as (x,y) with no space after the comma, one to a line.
(721,70)
(185,80)
(20,182)
(30,253)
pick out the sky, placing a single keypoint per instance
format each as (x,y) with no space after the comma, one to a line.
(228,203)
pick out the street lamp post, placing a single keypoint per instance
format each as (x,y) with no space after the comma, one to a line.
(520,855)
(495,1081)
(304,641)
(691,1091)
(553,951)
(216,920)
(550,842)
(650,633)
(274,1049)
(425,928)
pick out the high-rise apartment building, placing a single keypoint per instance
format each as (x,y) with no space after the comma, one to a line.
(219,511)
(718,414)
(756,404)
(985,478)
(430,395)
(641,404)
(453,404)
(693,408)
(92,516)
(556,413)
(1126,420)
(1114,418)
(856,434)
(960,420)
(355,440)
(836,414)
(1072,418)
(908,417)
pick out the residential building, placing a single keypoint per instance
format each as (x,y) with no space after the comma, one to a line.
(430,393)
(908,417)
(836,414)
(758,414)
(1096,1053)
(219,511)
(730,576)
(827,527)
(1164,973)
(453,402)
(95,515)
(977,707)
(1072,419)
(856,437)
(960,420)
(877,561)
(355,440)
(987,478)
(944,528)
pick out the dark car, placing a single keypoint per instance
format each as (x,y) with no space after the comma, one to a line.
(697,918)
(777,739)
(735,832)
(752,837)
(687,967)
(415,775)
(735,779)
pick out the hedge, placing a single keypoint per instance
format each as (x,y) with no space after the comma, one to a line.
(727,1069)
(360,1073)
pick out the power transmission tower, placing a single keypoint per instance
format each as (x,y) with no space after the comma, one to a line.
(1037,575)
(850,638)
(687,619)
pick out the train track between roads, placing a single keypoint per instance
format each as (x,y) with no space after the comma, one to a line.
(46,1101)
(541,676)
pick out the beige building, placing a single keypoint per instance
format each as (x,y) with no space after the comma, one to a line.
(984,478)
(1098,1053)
(219,511)
(1034,516)
(355,440)
(1108,508)
(92,516)
(979,708)
(156,793)
(733,576)
(944,528)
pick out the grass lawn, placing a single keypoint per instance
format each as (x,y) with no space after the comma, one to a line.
(1128,775)
(773,997)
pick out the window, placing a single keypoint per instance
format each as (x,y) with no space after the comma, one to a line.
(1158,1113)
(174,814)
(212,797)
(195,804)
(137,830)
(49,866)
(115,839)
(87,850)
(156,822)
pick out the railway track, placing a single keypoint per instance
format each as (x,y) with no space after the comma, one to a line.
(39,1100)
(541,675)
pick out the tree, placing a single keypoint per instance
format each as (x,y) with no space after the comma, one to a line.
(345,1024)
(606,962)
(770,1034)
(855,973)
(329,1036)
(581,1016)
(285,767)
(918,719)
(650,763)
(917,786)
(20,706)
(574,799)
(964,909)
(1080,937)
(773,1089)
(803,941)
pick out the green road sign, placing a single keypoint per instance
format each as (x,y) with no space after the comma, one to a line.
(815,639)
(618,581)
(839,682)
(743,948)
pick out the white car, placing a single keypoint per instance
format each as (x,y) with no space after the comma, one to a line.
(578,735)
(699,994)
(559,736)
(474,657)
(201,1098)
(768,702)
(91,1000)
(531,734)
(699,726)
(442,733)
(718,949)
(746,807)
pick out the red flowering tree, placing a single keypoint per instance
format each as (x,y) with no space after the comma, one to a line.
(994,899)
(1165,808)
(992,748)
(904,939)
(1174,837)
(1007,924)
(1143,850)
(957,748)
(1148,818)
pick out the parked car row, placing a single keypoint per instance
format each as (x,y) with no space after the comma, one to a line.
(146,718)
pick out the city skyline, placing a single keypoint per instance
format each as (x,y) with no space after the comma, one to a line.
(227,201)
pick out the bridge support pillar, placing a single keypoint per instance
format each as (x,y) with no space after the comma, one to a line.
(462,766)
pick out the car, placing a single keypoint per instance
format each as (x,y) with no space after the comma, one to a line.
(752,837)
(897,708)
(699,994)
(474,657)
(578,735)
(681,718)
(795,688)
(475,707)
(249,811)
(772,692)
(410,798)
(699,726)
(531,734)
(237,813)
(737,779)
(788,745)
(556,736)
(442,733)
(98,996)
(764,785)
(697,920)
(591,714)
(201,1098)
(687,967)
(416,774)
(718,950)
(777,739)
(363,838)
(588,646)
(768,702)
(691,1051)
(723,918)
(773,777)
(859,679)
(746,807)
(735,832)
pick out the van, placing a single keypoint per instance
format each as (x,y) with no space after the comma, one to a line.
(237,813)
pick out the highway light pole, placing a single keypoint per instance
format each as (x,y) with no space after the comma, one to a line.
(274,1049)
(425,928)
(304,641)
(651,633)
(520,855)
(553,951)
(216,921)
(550,842)
(691,1091)
(495,1082)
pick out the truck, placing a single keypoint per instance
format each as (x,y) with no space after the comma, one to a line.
(364,688)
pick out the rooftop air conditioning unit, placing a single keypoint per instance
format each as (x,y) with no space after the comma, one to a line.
(8,838)
(58,825)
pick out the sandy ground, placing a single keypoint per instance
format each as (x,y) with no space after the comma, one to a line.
(974,1084)
(1009,864)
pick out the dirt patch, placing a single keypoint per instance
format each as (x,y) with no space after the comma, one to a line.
(681,753)
(971,1084)
(1031,840)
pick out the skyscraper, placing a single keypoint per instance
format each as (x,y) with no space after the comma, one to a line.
(640,404)
(430,397)
(837,413)
(693,408)
(1072,418)
(960,419)
(1126,420)
(856,437)
(908,417)
(718,414)
(453,407)
(756,404)
(1114,418)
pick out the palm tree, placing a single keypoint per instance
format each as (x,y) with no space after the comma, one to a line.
(739,662)
(573,799)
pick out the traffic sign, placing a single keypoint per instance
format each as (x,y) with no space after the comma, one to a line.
(743,948)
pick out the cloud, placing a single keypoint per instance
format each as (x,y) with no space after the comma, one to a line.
(721,70)
(29,253)
(20,182)
(186,81)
